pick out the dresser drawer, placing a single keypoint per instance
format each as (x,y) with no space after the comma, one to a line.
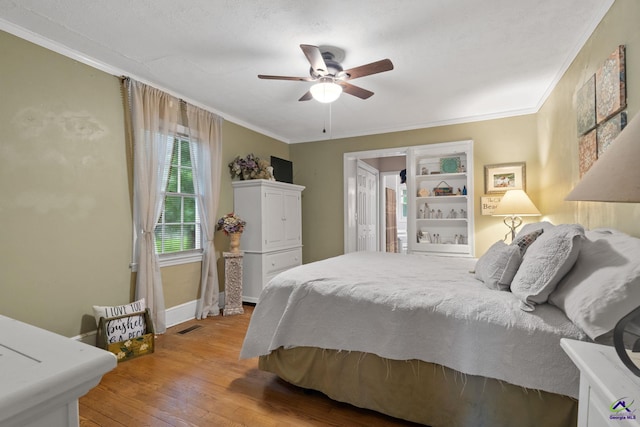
(280,261)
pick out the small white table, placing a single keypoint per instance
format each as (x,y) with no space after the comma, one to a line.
(43,374)
(609,391)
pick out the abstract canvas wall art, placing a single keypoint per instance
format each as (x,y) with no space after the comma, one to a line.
(611,93)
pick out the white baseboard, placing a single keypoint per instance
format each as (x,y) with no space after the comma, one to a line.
(174,316)
(181,313)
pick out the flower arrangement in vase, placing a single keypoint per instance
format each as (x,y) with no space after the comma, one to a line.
(233,226)
(250,167)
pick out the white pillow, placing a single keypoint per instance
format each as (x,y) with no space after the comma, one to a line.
(546,261)
(604,285)
(498,265)
(125,328)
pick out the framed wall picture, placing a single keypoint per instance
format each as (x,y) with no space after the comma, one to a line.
(504,176)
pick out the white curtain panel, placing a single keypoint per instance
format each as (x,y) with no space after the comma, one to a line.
(205,130)
(154,118)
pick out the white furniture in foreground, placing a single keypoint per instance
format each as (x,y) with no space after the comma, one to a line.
(609,392)
(43,374)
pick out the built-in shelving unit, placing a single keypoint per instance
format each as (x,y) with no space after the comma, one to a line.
(440,187)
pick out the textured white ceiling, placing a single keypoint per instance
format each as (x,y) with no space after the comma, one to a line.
(455,60)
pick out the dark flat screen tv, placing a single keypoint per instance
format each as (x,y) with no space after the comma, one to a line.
(282,169)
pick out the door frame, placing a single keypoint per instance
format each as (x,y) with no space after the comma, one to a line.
(350,168)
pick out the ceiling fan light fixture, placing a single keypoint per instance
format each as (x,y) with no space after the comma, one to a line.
(326,91)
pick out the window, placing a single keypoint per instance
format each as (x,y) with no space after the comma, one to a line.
(178,229)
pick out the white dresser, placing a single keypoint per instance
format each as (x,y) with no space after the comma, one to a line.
(272,239)
(609,392)
(42,375)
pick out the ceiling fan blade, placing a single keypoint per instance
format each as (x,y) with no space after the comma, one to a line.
(306,97)
(314,56)
(355,90)
(368,69)
(301,79)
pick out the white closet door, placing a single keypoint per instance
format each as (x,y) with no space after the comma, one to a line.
(367,208)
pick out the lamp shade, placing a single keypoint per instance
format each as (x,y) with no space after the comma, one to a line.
(516,203)
(615,176)
(326,91)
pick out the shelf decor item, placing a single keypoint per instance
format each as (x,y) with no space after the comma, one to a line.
(443,189)
(450,165)
(423,192)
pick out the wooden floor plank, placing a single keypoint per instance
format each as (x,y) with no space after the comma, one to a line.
(197,379)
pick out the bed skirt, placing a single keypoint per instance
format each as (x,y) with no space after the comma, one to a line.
(419,391)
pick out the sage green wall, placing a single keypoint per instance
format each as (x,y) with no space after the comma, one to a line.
(65,202)
(319,167)
(558,147)
(64,209)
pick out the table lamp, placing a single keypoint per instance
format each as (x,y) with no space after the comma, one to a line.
(514,205)
(615,177)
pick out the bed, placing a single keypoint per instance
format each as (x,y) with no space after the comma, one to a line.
(445,341)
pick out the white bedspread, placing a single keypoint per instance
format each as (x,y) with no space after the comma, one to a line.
(415,307)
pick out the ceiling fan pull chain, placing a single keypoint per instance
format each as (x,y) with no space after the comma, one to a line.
(324,127)
(324,124)
(330,122)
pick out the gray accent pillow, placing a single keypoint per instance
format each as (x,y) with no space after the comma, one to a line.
(604,285)
(533,226)
(525,240)
(497,267)
(547,260)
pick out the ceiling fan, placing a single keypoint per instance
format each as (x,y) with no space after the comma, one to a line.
(331,80)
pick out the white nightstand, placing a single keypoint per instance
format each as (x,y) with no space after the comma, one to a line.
(609,391)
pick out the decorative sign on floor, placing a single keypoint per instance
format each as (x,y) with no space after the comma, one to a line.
(133,341)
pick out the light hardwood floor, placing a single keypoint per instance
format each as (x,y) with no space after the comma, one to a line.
(196,379)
